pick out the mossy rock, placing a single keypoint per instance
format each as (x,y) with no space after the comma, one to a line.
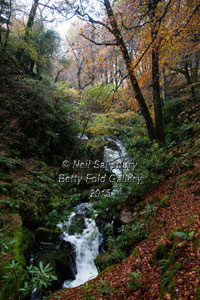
(103,261)
(61,256)
(24,240)
(48,235)
(77,224)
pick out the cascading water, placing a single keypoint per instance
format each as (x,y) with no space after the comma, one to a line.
(86,245)
(117,155)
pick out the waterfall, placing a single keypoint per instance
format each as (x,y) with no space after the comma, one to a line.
(87,247)
(117,155)
(87,243)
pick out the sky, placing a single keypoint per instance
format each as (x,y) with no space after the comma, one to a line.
(60,27)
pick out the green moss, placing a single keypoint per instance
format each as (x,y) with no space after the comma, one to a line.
(163,201)
(191,221)
(198,292)
(84,194)
(106,270)
(10,289)
(196,243)
(135,251)
(47,235)
(162,251)
(24,242)
(140,206)
(103,261)
(171,236)
(168,275)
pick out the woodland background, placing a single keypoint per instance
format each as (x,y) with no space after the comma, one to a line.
(124,69)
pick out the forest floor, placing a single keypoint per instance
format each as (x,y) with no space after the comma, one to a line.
(169,259)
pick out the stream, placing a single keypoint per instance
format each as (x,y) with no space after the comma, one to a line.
(88,242)
(81,246)
(86,246)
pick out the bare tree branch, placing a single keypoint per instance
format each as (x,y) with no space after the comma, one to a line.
(99,44)
(194,11)
(92,21)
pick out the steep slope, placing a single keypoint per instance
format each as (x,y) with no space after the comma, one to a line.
(167,263)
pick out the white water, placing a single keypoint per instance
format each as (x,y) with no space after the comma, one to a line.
(87,248)
(87,243)
(116,156)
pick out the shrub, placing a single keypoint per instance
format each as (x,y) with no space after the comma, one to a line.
(134,283)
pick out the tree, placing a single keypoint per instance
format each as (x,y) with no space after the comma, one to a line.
(183,43)
(63,63)
(6,12)
(46,42)
(112,25)
(128,25)
(29,26)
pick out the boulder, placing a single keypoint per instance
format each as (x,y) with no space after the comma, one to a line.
(126,216)
(61,256)
(48,235)
(77,224)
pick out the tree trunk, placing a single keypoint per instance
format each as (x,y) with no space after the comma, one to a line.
(156,95)
(164,85)
(134,83)
(58,74)
(155,72)
(32,66)
(29,26)
(189,80)
(195,68)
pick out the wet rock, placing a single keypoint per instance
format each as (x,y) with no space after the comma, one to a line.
(59,260)
(61,256)
(112,145)
(126,216)
(101,223)
(77,224)
(48,235)
(102,261)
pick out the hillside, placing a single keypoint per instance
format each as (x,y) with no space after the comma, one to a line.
(168,260)
(155,254)
(99,150)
